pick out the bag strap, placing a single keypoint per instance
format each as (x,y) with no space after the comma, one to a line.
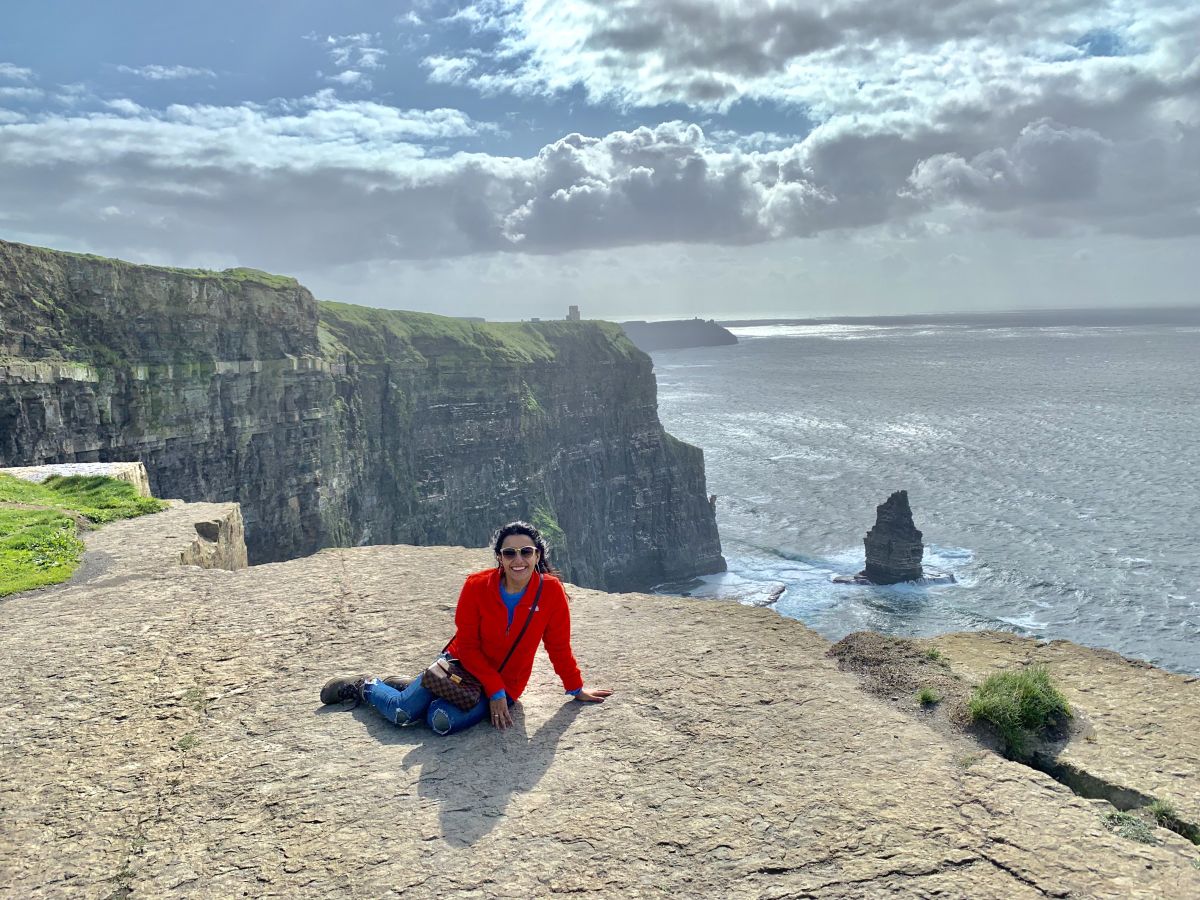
(529,618)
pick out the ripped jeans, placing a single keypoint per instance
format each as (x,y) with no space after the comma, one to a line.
(416,702)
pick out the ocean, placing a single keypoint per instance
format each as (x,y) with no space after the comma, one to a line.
(1052,469)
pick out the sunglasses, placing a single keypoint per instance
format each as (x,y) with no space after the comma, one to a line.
(511,552)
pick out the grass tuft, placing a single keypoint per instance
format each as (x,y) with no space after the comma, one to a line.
(928,696)
(933,654)
(1019,704)
(966,760)
(1163,812)
(1129,827)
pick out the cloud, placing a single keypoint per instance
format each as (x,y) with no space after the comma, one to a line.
(348,77)
(354,54)
(1048,163)
(448,69)
(166,73)
(11,72)
(326,181)
(20,93)
(833,56)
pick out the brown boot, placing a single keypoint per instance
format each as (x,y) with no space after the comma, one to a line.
(343,688)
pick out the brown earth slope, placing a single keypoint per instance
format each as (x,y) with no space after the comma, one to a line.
(160,736)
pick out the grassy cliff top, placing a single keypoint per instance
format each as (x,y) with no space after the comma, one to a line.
(238,275)
(81,307)
(363,334)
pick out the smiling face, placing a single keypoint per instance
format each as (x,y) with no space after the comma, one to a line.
(518,569)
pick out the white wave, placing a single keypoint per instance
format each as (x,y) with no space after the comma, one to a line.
(836,332)
(1026,623)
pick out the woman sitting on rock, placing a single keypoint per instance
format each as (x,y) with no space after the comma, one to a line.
(492,609)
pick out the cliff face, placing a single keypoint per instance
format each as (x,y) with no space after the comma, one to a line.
(337,425)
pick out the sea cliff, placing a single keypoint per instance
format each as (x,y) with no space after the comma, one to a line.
(336,425)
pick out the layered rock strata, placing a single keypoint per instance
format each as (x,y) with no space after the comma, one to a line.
(893,545)
(174,710)
(338,425)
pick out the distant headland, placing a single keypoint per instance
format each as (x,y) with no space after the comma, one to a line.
(677,334)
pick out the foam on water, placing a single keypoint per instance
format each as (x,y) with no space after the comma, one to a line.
(831,332)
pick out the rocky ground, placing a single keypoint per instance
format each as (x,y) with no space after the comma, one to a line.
(160,736)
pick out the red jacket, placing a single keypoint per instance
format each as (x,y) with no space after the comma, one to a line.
(484,635)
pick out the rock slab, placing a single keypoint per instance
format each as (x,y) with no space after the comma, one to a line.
(161,737)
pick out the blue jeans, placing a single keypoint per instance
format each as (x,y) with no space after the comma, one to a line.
(416,702)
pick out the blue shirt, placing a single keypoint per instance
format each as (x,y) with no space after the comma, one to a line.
(510,601)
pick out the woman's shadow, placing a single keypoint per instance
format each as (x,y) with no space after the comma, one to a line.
(473,775)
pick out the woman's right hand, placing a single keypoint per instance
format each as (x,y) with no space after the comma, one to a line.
(501,715)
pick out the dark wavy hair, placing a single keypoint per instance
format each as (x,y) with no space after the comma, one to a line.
(534,535)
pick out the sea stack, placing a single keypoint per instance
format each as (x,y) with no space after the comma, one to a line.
(894,548)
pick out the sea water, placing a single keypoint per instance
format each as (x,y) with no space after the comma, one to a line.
(1052,470)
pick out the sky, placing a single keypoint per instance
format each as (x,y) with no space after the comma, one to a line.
(724,158)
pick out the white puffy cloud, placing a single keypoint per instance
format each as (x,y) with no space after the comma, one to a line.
(925,126)
(353,182)
(1048,163)
(166,73)
(448,69)
(353,55)
(11,72)
(20,93)
(833,56)
(1035,115)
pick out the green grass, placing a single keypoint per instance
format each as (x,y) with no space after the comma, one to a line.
(544,520)
(933,654)
(1163,812)
(37,547)
(1165,815)
(365,335)
(928,696)
(97,498)
(40,546)
(240,274)
(1019,704)
(1129,827)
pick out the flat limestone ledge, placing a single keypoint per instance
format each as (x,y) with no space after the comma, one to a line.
(133,472)
(162,737)
(161,546)
(1144,722)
